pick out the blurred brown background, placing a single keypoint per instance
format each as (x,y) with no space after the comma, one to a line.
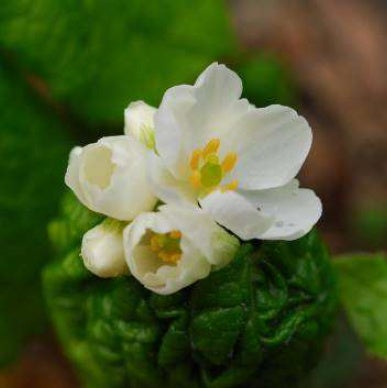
(337,54)
(336,51)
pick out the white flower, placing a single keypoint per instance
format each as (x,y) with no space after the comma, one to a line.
(109,177)
(236,160)
(103,250)
(139,122)
(173,248)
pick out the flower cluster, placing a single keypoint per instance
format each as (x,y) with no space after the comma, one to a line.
(185,175)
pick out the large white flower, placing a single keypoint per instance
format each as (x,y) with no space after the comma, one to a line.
(109,177)
(236,160)
(103,250)
(176,246)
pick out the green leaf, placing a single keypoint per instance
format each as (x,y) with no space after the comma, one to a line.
(363,292)
(33,152)
(259,319)
(369,225)
(96,57)
(266,81)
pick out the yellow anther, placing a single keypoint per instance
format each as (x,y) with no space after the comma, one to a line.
(212,158)
(207,171)
(166,246)
(231,186)
(195,159)
(155,243)
(229,162)
(211,147)
(195,179)
(175,234)
(170,258)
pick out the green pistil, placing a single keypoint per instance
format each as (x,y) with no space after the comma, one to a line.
(211,174)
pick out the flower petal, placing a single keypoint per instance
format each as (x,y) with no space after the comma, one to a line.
(216,244)
(272,144)
(149,269)
(109,177)
(237,214)
(295,210)
(204,246)
(165,186)
(72,174)
(103,249)
(189,116)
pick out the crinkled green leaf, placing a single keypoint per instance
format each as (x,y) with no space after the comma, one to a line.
(363,292)
(261,320)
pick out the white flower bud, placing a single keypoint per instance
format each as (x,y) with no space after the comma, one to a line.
(103,251)
(139,122)
(110,177)
(173,248)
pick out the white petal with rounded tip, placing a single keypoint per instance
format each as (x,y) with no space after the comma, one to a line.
(295,210)
(139,122)
(272,144)
(217,87)
(109,177)
(103,250)
(189,116)
(169,125)
(237,214)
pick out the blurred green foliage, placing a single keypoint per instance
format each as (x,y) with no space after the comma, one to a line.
(363,291)
(271,309)
(67,71)
(96,56)
(266,81)
(369,225)
(33,151)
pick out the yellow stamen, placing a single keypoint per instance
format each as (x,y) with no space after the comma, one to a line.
(231,186)
(195,179)
(166,246)
(211,147)
(229,162)
(195,158)
(208,172)
(169,258)
(155,243)
(175,234)
(212,158)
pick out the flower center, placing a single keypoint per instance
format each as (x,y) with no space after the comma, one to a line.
(207,171)
(166,246)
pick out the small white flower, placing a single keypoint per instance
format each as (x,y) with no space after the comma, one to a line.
(173,248)
(103,250)
(237,161)
(139,122)
(109,177)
